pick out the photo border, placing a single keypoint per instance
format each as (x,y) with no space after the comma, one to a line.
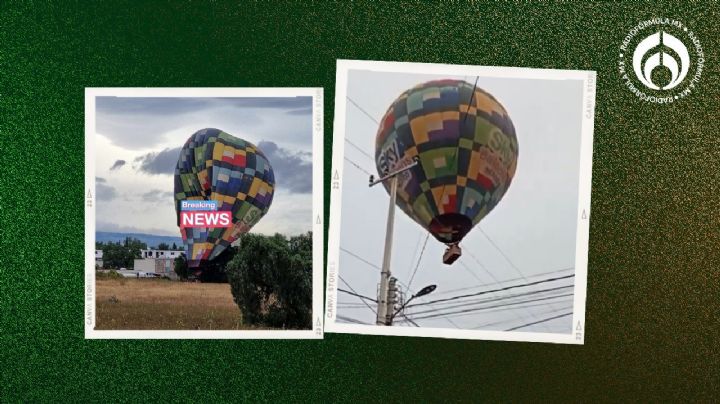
(583,214)
(316,332)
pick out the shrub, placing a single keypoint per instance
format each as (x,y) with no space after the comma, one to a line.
(111,274)
(271,280)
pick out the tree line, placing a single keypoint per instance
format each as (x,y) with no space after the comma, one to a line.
(122,254)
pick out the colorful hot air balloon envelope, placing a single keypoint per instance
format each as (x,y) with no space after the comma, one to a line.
(216,166)
(467,151)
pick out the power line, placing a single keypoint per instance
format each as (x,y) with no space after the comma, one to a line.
(351,288)
(570,306)
(359,258)
(414,254)
(367,262)
(357,166)
(445,305)
(362,110)
(350,319)
(488,273)
(494,290)
(418,261)
(468,270)
(505,320)
(465,267)
(359,149)
(478,309)
(494,300)
(409,319)
(539,321)
(506,258)
(449,320)
(469,252)
(502,253)
(445,292)
(350,306)
(357,295)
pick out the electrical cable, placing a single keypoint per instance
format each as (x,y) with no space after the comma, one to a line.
(539,321)
(366,262)
(445,292)
(410,320)
(362,110)
(360,150)
(350,319)
(492,300)
(418,261)
(351,288)
(494,290)
(475,310)
(357,295)
(357,166)
(505,320)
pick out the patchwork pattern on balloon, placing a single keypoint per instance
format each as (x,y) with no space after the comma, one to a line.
(467,151)
(216,166)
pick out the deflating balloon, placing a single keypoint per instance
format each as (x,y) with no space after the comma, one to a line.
(214,165)
(466,148)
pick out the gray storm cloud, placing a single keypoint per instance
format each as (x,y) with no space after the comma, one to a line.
(157,195)
(293,170)
(162,162)
(103,191)
(140,122)
(118,164)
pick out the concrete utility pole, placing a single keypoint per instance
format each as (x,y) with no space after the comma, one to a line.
(385,306)
(382,313)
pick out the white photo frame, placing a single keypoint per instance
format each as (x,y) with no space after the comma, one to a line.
(583,102)
(316,332)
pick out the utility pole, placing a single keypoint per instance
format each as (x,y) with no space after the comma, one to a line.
(385,307)
(382,312)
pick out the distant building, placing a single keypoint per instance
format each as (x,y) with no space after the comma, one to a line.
(160,262)
(99,258)
(164,266)
(160,254)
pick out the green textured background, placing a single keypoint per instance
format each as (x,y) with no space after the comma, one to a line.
(652,312)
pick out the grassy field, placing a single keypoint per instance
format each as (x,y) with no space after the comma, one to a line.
(160,304)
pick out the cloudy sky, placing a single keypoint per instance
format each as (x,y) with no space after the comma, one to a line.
(138,142)
(529,236)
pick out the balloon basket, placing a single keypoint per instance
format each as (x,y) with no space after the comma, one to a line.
(452,253)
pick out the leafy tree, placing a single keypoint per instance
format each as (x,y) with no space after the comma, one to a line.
(271,280)
(122,255)
(181,267)
(174,247)
(163,247)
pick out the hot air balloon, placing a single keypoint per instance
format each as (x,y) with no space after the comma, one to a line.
(216,166)
(466,149)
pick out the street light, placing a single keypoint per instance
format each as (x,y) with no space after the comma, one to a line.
(424,291)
